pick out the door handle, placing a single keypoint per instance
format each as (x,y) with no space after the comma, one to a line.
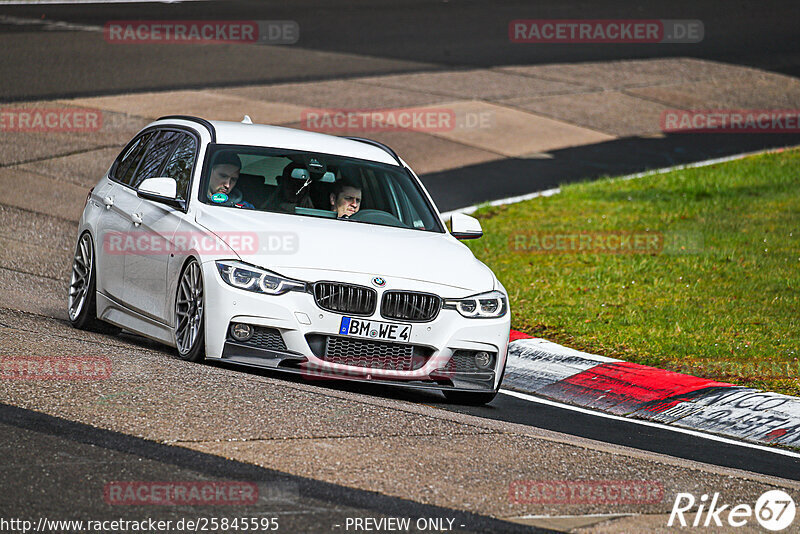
(137,218)
(108,201)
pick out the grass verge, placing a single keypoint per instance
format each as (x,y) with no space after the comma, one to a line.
(695,271)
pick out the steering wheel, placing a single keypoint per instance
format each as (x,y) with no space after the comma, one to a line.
(378,217)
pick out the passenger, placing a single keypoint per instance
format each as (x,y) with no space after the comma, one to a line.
(222,181)
(345,198)
(285,198)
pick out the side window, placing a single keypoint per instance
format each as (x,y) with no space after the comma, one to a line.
(158,151)
(180,165)
(129,161)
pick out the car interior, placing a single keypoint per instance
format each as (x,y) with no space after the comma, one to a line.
(270,183)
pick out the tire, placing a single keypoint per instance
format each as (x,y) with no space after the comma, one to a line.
(190,336)
(82,297)
(469,399)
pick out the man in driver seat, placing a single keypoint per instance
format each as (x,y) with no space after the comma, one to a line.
(345,198)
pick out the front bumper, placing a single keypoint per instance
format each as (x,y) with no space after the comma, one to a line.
(301,324)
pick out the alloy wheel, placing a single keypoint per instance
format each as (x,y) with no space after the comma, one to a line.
(189,308)
(81,274)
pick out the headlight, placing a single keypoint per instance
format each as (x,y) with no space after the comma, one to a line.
(484,306)
(250,278)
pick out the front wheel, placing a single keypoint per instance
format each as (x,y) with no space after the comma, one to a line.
(82,302)
(189,316)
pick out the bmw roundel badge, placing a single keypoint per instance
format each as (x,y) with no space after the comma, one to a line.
(378,281)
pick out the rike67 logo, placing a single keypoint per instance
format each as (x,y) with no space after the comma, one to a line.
(774,510)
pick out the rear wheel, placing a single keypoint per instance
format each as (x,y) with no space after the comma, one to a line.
(189,314)
(82,303)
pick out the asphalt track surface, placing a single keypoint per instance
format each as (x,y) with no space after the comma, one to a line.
(39,448)
(625,433)
(46,457)
(663,441)
(659,440)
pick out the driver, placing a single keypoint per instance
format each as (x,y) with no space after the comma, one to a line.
(345,198)
(222,181)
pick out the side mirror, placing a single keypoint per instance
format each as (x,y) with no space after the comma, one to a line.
(163,187)
(465,227)
(163,190)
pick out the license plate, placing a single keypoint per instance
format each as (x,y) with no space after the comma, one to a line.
(375,329)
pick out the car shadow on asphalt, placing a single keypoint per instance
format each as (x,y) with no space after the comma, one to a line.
(416,396)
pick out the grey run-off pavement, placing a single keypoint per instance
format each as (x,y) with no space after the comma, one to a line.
(516,130)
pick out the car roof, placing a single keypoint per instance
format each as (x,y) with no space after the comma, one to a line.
(239,133)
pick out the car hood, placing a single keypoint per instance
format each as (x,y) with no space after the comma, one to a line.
(299,246)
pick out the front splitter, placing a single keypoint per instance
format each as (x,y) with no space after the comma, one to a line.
(287,362)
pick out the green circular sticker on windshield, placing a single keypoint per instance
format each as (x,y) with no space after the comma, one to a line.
(219,198)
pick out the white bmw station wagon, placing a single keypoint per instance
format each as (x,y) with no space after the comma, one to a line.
(288,250)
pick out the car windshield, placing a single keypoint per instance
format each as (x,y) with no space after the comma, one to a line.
(315,185)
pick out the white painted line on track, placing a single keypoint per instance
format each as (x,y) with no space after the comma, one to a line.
(713,437)
(550,192)
(511,200)
(697,164)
